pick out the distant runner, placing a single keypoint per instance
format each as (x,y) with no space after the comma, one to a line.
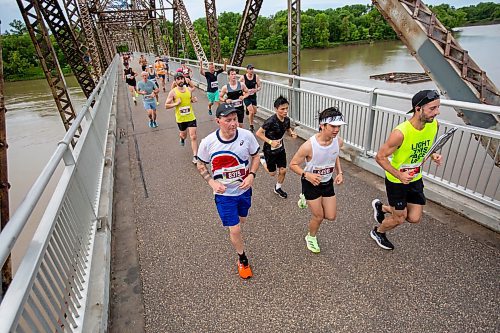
(212,83)
(252,82)
(234,93)
(149,90)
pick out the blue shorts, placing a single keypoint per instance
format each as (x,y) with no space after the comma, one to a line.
(213,96)
(230,208)
(150,104)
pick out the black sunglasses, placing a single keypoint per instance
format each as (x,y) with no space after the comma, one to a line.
(431,95)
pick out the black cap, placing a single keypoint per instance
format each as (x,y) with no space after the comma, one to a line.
(250,66)
(224,109)
(423,97)
(178,74)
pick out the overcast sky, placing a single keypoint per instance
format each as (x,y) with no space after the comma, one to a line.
(196,8)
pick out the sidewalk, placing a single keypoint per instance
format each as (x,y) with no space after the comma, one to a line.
(174,269)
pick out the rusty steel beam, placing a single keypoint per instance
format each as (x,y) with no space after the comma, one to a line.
(53,15)
(188,25)
(213,31)
(48,60)
(164,28)
(176,39)
(294,37)
(250,15)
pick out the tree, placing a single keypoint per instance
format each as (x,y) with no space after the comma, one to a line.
(18,27)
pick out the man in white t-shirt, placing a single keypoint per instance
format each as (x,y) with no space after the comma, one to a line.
(233,155)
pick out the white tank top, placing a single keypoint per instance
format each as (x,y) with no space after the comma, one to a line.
(323,159)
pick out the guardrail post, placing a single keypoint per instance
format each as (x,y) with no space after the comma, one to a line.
(371,122)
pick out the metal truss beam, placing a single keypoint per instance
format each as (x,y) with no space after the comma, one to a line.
(198,49)
(57,23)
(48,60)
(213,31)
(294,37)
(176,31)
(245,31)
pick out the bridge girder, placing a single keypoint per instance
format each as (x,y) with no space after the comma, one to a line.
(250,15)
(213,31)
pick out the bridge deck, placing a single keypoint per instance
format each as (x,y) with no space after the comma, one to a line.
(174,269)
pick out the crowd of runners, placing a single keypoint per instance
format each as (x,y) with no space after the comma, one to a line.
(229,157)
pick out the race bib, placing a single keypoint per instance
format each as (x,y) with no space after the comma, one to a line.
(413,168)
(278,146)
(252,91)
(232,174)
(129,76)
(185,110)
(214,84)
(324,171)
(237,103)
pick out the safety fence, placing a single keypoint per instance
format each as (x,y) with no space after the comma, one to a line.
(50,288)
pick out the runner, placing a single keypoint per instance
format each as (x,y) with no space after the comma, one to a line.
(188,72)
(160,69)
(129,77)
(126,59)
(252,82)
(152,78)
(408,143)
(321,156)
(143,62)
(233,155)
(149,90)
(181,98)
(212,84)
(165,61)
(272,132)
(188,81)
(234,93)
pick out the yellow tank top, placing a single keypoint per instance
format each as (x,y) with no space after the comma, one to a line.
(184,111)
(413,149)
(160,68)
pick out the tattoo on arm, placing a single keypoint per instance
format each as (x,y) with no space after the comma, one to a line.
(204,173)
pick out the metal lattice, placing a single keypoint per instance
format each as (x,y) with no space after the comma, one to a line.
(250,15)
(198,49)
(213,32)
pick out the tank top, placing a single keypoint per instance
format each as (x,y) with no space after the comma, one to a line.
(129,75)
(250,83)
(234,95)
(413,149)
(160,68)
(184,111)
(323,159)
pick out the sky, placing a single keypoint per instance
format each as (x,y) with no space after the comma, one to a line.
(196,8)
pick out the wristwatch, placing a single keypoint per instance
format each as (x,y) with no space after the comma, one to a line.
(252,173)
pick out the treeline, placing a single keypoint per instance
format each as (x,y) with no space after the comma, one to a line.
(319,28)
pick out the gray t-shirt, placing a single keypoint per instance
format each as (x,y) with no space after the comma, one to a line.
(148,87)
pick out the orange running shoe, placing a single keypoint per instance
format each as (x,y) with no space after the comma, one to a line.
(244,271)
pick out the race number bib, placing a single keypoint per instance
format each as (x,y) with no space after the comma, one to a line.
(237,103)
(414,169)
(129,76)
(252,91)
(185,110)
(324,171)
(278,146)
(232,174)
(214,84)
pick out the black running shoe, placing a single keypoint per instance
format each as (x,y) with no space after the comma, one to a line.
(281,193)
(378,213)
(381,239)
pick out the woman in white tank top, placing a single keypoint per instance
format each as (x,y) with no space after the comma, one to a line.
(322,169)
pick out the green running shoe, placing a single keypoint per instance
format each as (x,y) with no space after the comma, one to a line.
(312,244)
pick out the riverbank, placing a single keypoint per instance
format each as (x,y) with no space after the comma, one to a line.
(34,73)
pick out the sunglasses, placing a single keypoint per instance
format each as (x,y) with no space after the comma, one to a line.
(431,95)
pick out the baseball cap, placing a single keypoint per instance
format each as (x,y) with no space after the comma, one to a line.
(423,97)
(183,61)
(150,66)
(178,74)
(334,121)
(250,66)
(224,109)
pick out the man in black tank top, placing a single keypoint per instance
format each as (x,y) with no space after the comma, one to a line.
(252,82)
(129,77)
(234,93)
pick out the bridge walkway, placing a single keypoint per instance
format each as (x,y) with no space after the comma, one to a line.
(174,269)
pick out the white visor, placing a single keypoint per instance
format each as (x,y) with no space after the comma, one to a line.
(334,121)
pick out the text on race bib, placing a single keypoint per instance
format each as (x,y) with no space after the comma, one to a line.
(233,173)
(278,146)
(237,103)
(413,168)
(184,110)
(214,84)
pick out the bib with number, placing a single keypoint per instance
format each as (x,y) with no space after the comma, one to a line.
(214,84)
(278,146)
(325,171)
(413,168)
(233,174)
(185,110)
(237,103)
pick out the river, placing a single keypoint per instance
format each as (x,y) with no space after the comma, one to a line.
(34,126)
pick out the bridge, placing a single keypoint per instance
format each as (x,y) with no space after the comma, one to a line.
(170,268)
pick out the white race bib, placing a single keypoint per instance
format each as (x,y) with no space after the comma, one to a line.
(325,171)
(413,168)
(185,110)
(237,103)
(278,146)
(214,84)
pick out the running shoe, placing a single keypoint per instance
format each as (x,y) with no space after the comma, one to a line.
(381,239)
(136,94)
(209,112)
(251,129)
(302,203)
(195,160)
(157,103)
(262,159)
(151,124)
(155,125)
(312,244)
(135,101)
(378,213)
(280,193)
(181,142)
(244,271)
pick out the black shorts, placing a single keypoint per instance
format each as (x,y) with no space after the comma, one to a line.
(143,67)
(250,100)
(275,160)
(184,126)
(131,83)
(312,192)
(399,195)
(241,114)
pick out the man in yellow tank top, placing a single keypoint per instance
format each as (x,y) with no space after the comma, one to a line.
(408,144)
(181,98)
